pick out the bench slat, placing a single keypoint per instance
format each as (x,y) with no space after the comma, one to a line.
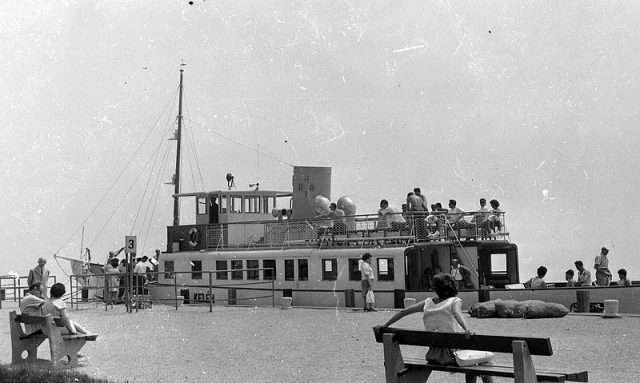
(38,319)
(500,371)
(31,319)
(33,335)
(494,343)
(79,336)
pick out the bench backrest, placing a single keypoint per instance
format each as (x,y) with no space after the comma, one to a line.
(493,343)
(38,320)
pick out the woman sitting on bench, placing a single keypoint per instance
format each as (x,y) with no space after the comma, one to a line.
(57,308)
(443,313)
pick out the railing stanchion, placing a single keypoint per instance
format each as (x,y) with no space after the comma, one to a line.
(71,290)
(210,294)
(175,289)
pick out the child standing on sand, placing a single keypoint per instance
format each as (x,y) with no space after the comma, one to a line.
(443,313)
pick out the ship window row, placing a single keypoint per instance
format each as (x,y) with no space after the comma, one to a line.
(237,204)
(234,269)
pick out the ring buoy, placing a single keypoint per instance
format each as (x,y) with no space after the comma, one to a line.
(194,237)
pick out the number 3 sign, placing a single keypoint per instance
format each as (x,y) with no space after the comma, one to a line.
(130,244)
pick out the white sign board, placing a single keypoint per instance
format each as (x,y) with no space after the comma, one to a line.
(130,244)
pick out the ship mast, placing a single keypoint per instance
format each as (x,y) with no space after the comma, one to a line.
(176,181)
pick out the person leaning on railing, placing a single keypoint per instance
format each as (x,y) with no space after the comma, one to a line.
(387,215)
(495,225)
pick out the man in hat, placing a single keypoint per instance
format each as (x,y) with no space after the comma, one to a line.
(39,274)
(603,275)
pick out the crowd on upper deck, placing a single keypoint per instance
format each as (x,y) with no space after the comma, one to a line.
(431,223)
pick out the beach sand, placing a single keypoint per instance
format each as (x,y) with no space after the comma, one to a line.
(265,344)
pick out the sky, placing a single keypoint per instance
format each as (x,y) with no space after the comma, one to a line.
(532,103)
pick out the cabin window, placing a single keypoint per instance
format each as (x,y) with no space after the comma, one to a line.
(268,204)
(385,269)
(168,269)
(252,204)
(236,266)
(499,263)
(289,270)
(224,204)
(196,269)
(202,205)
(329,269)
(303,270)
(269,266)
(354,270)
(221,265)
(253,273)
(235,204)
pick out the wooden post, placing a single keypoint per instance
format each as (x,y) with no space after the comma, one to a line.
(583,300)
(523,369)
(394,363)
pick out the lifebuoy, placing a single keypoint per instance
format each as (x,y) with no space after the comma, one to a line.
(194,237)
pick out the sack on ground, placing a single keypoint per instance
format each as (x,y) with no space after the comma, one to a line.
(483,309)
(472,357)
(509,309)
(370,298)
(541,309)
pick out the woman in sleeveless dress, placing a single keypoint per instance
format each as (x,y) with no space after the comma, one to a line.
(441,313)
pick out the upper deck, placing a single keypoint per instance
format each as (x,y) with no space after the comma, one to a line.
(237,229)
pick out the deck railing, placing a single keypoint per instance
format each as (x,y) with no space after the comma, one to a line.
(356,230)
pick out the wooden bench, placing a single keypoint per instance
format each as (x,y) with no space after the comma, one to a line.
(64,347)
(399,369)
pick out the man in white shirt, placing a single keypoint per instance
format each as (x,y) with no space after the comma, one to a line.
(603,275)
(584,275)
(454,213)
(140,272)
(482,213)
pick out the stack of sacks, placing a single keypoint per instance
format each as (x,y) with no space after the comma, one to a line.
(515,309)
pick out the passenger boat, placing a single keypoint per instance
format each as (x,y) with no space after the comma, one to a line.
(246,238)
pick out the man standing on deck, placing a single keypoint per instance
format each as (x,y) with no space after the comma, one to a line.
(461,274)
(584,275)
(39,274)
(603,275)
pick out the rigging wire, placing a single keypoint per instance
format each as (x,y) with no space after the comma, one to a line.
(156,153)
(466,254)
(248,147)
(139,174)
(121,201)
(190,163)
(155,183)
(193,145)
(155,200)
(93,210)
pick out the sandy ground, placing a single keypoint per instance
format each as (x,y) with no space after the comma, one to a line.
(265,344)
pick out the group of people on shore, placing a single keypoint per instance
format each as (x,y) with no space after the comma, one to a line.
(582,278)
(431,223)
(115,270)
